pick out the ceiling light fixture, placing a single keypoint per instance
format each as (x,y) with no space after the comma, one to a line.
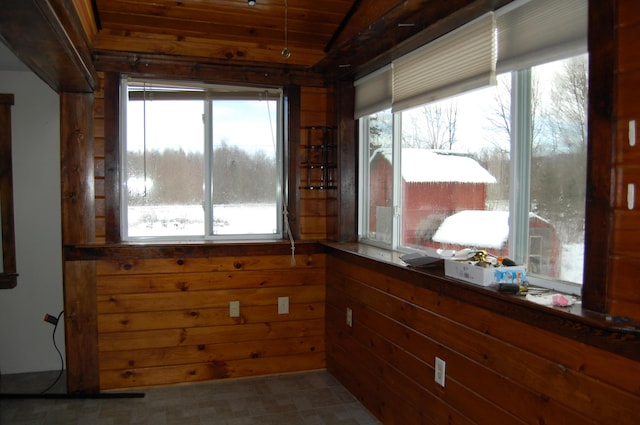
(285,52)
(251,2)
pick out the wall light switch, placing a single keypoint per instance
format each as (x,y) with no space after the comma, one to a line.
(349,317)
(234,308)
(283,305)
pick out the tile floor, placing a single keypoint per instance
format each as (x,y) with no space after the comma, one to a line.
(309,398)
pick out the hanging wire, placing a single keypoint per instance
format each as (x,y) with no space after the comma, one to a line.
(55,345)
(144,137)
(285,207)
(285,52)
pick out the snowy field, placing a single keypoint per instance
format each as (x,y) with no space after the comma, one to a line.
(572,262)
(171,220)
(185,221)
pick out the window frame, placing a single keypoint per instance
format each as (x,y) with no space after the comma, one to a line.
(536,44)
(519,196)
(210,95)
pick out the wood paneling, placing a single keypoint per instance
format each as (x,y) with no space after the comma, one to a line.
(624,257)
(399,328)
(78,203)
(345,227)
(8,274)
(111,151)
(163,321)
(208,49)
(224,30)
(48,37)
(370,40)
(84,9)
(500,368)
(209,71)
(317,207)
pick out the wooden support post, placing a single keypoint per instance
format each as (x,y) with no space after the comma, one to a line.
(78,226)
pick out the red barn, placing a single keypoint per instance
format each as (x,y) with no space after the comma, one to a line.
(443,205)
(435,185)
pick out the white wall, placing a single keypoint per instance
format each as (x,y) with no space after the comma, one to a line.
(25,338)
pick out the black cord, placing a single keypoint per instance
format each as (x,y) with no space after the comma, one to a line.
(65,395)
(59,354)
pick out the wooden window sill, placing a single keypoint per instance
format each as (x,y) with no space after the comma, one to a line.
(609,333)
(146,250)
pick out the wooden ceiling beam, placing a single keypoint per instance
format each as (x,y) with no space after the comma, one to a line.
(207,49)
(208,71)
(48,36)
(367,44)
(181,28)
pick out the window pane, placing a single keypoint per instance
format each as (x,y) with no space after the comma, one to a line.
(165,168)
(455,172)
(378,137)
(245,180)
(558,171)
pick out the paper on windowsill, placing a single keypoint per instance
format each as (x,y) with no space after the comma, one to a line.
(432,256)
(552,300)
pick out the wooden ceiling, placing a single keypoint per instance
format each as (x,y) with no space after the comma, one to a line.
(66,41)
(320,34)
(229,30)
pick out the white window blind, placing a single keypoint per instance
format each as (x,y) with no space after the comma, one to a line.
(531,32)
(373,92)
(462,60)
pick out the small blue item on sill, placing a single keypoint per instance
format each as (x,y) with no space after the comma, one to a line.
(516,276)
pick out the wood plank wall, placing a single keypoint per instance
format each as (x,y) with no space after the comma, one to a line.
(318,208)
(99,158)
(624,298)
(498,370)
(166,321)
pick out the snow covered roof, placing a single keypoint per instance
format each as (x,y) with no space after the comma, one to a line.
(432,166)
(475,228)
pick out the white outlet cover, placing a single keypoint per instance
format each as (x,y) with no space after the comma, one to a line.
(234,308)
(283,305)
(440,373)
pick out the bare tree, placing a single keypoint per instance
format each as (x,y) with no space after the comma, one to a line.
(569,95)
(431,126)
(380,130)
(559,180)
(499,116)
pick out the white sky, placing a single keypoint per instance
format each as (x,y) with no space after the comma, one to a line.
(174,123)
(473,130)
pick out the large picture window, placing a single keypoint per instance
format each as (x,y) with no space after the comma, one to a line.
(201,162)
(500,168)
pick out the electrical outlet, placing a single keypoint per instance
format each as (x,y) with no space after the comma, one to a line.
(51,319)
(283,305)
(440,371)
(349,317)
(234,308)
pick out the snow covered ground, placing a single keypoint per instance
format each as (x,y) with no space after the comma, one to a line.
(186,221)
(572,262)
(172,220)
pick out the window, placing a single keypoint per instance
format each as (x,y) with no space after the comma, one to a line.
(201,162)
(500,168)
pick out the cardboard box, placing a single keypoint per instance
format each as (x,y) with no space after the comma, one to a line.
(484,276)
